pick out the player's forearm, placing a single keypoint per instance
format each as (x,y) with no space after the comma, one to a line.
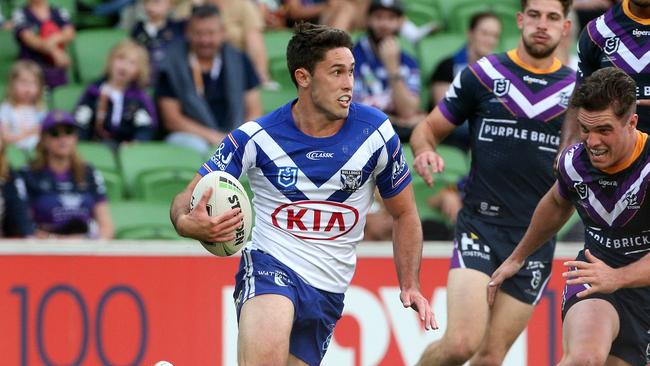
(636,274)
(180,206)
(551,213)
(422,138)
(407,249)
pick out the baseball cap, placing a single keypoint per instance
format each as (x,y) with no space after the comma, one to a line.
(393,5)
(58,118)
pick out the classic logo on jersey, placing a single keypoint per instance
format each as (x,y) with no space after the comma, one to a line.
(71,200)
(287,176)
(581,188)
(219,160)
(631,201)
(350,180)
(315,220)
(611,45)
(501,87)
(318,155)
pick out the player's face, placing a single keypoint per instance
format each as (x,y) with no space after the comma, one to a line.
(331,84)
(205,36)
(384,23)
(609,140)
(485,36)
(542,26)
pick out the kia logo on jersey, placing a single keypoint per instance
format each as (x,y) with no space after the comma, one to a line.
(317,155)
(315,220)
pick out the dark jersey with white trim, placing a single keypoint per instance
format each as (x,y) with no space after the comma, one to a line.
(613,207)
(515,117)
(617,38)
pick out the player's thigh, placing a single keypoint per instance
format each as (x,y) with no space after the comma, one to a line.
(295,361)
(508,318)
(467,308)
(590,326)
(265,325)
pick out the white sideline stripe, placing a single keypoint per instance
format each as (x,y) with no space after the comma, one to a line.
(190,248)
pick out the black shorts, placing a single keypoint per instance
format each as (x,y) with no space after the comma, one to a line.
(632,305)
(483,247)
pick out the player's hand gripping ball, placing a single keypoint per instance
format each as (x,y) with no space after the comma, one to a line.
(227,193)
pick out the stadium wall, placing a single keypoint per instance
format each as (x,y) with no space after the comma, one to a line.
(136,303)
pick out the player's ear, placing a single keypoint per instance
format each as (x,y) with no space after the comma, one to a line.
(303,77)
(520,20)
(566,28)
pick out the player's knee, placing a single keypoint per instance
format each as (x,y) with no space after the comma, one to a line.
(584,357)
(460,349)
(268,358)
(487,359)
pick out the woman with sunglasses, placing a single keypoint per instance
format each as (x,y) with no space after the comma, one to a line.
(67,196)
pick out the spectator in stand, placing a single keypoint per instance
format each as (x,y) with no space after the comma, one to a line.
(206,87)
(43,32)
(15,220)
(23,111)
(244,27)
(347,15)
(157,31)
(117,108)
(67,196)
(482,39)
(274,13)
(386,77)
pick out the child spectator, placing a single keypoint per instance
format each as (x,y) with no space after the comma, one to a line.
(67,196)
(42,32)
(117,108)
(22,112)
(157,31)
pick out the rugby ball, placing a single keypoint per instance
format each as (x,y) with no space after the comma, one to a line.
(227,193)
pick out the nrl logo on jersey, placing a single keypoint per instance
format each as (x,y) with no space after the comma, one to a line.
(611,45)
(287,176)
(350,180)
(632,201)
(581,188)
(501,87)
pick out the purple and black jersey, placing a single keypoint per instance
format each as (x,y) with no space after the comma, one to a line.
(129,115)
(157,41)
(515,116)
(60,205)
(613,207)
(619,39)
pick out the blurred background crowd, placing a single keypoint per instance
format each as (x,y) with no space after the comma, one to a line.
(109,107)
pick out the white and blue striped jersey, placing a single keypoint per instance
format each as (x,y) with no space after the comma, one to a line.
(311,195)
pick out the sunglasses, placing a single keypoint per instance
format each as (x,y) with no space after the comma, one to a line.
(62,131)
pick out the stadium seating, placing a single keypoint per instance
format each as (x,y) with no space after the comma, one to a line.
(272,99)
(423,11)
(101,157)
(276,46)
(65,97)
(17,158)
(143,165)
(90,50)
(142,220)
(462,11)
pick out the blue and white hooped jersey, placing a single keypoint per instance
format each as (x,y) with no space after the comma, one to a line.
(620,39)
(311,195)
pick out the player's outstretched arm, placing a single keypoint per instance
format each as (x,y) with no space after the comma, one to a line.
(198,224)
(551,213)
(407,253)
(605,279)
(427,134)
(570,129)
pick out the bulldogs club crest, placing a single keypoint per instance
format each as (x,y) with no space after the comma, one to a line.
(582,190)
(287,176)
(501,87)
(611,45)
(350,180)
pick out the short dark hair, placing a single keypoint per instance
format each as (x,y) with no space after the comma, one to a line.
(309,45)
(606,87)
(204,11)
(566,5)
(478,17)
